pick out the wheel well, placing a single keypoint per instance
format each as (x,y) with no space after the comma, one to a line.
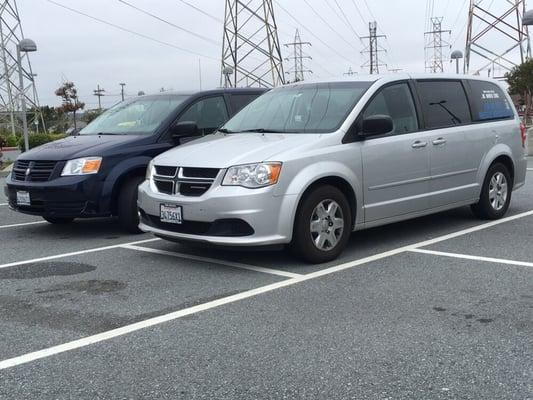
(340,184)
(141,171)
(506,160)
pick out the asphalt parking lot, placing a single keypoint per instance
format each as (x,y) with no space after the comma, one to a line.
(439,307)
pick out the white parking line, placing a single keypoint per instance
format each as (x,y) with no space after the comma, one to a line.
(3,204)
(474,258)
(22,224)
(100,337)
(214,261)
(530,169)
(74,253)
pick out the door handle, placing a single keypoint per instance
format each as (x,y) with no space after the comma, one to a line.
(439,142)
(419,144)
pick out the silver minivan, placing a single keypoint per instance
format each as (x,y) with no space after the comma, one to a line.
(308,163)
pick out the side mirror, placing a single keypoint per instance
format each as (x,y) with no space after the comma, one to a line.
(376,125)
(184,129)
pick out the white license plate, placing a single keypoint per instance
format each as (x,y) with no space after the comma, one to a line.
(171,214)
(23,198)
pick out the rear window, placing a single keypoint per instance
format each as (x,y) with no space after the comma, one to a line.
(444,103)
(489,102)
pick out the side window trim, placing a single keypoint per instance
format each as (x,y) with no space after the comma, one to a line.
(351,135)
(424,128)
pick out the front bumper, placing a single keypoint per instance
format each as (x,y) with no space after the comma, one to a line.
(64,197)
(224,215)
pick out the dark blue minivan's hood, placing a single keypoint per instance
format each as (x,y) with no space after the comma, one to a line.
(83,146)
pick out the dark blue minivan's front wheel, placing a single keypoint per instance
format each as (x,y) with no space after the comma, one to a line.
(128,216)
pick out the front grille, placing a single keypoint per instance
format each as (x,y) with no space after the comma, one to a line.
(190,182)
(162,170)
(34,171)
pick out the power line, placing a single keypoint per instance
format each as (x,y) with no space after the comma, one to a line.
(310,31)
(329,25)
(347,20)
(131,31)
(169,23)
(202,11)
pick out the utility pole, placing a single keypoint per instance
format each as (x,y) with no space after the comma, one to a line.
(496,38)
(373,49)
(99,92)
(122,90)
(12,91)
(251,53)
(435,45)
(298,57)
(350,72)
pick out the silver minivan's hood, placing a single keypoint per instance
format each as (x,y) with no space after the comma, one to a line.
(222,151)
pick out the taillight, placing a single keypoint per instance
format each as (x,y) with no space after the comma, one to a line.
(523,133)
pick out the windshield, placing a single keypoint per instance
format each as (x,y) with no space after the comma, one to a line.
(308,108)
(140,116)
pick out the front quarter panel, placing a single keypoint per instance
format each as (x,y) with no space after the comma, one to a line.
(341,161)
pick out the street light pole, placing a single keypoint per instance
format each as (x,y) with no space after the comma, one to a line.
(122,90)
(26,46)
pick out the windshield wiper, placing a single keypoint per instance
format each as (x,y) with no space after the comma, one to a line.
(224,130)
(261,130)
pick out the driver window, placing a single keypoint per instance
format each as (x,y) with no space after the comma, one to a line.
(395,101)
(209,114)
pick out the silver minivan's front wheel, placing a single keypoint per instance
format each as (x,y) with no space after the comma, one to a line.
(495,193)
(322,226)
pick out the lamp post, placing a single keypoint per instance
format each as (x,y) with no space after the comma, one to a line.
(457,55)
(527,21)
(24,46)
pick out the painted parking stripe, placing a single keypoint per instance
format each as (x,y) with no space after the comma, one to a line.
(100,337)
(74,253)
(474,258)
(530,169)
(3,204)
(22,224)
(213,261)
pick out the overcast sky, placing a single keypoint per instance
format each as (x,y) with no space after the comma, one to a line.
(89,53)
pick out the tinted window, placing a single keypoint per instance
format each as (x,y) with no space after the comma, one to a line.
(444,103)
(397,102)
(489,102)
(209,114)
(239,101)
(305,108)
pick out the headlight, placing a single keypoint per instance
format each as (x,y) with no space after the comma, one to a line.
(253,175)
(82,166)
(150,170)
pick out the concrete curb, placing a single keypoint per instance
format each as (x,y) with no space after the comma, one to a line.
(5,172)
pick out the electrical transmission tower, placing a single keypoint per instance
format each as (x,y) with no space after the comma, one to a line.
(496,39)
(373,49)
(251,53)
(298,57)
(435,45)
(12,90)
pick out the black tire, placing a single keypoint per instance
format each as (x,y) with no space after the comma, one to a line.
(303,243)
(58,221)
(485,208)
(128,216)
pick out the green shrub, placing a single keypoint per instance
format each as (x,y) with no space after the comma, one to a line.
(12,141)
(38,139)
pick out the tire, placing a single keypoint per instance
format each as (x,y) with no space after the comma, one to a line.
(128,217)
(315,238)
(494,204)
(58,221)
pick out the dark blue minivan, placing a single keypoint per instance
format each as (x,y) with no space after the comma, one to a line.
(96,173)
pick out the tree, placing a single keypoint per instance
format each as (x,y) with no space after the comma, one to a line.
(70,101)
(520,81)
